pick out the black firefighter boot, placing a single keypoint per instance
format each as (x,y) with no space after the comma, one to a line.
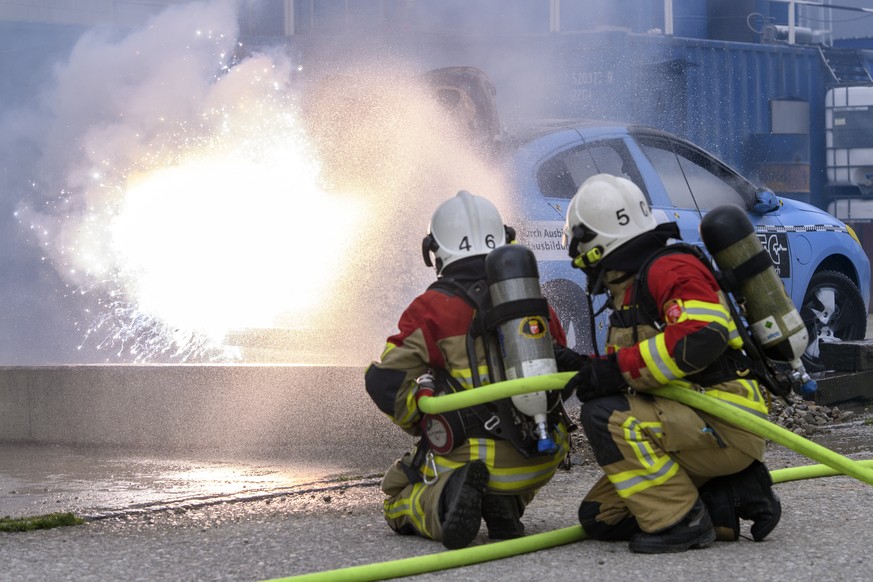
(461,504)
(744,495)
(502,515)
(693,531)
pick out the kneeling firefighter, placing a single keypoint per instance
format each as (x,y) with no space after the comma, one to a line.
(674,478)
(487,461)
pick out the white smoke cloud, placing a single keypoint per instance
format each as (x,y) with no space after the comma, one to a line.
(184,192)
(120,105)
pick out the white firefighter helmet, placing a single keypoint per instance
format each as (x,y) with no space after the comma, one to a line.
(461,227)
(605,213)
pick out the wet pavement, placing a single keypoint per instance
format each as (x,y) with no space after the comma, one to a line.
(211,515)
(231,534)
(96,440)
(95,483)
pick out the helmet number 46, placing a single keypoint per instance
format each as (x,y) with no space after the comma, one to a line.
(466,246)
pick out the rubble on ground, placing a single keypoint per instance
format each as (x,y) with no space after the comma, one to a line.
(804,417)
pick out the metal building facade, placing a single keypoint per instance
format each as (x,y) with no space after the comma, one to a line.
(730,96)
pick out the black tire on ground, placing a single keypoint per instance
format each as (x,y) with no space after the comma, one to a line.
(568,300)
(833,310)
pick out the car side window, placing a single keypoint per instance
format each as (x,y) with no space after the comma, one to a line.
(692,179)
(667,165)
(711,184)
(561,175)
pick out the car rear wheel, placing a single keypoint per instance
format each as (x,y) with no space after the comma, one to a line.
(833,310)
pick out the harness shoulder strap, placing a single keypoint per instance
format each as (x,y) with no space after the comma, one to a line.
(476,295)
(498,419)
(755,358)
(641,295)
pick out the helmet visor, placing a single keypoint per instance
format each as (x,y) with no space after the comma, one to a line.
(581,234)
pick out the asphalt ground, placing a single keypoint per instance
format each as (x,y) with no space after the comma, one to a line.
(824,535)
(196,517)
(153,518)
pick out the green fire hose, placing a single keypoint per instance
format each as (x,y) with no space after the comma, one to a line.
(831,464)
(679,393)
(767,430)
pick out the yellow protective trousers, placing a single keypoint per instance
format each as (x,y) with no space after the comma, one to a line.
(414,507)
(655,453)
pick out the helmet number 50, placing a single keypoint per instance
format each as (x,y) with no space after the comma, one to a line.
(621,215)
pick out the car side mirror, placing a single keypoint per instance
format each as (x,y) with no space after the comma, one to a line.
(765,201)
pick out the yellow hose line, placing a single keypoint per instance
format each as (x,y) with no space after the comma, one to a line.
(445,560)
(766,429)
(505,549)
(680,393)
(809,472)
(833,464)
(492,392)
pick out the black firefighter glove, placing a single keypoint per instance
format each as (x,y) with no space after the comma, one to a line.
(597,377)
(567,359)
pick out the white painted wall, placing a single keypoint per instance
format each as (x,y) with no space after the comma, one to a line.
(304,413)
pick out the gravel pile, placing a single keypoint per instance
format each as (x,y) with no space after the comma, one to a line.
(804,417)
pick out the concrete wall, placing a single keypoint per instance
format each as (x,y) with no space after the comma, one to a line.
(316,413)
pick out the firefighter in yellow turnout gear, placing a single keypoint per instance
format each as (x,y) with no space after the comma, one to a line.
(468,465)
(674,478)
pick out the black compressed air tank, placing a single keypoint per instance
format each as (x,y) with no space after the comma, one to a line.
(730,238)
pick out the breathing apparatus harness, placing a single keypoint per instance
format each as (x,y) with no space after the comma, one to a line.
(499,419)
(635,259)
(732,361)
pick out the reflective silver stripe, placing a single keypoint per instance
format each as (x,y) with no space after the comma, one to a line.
(636,480)
(399,508)
(444,467)
(658,360)
(465,377)
(758,413)
(755,393)
(712,313)
(521,477)
(636,434)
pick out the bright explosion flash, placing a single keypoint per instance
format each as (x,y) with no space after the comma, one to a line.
(232,235)
(202,204)
(222,242)
(193,209)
